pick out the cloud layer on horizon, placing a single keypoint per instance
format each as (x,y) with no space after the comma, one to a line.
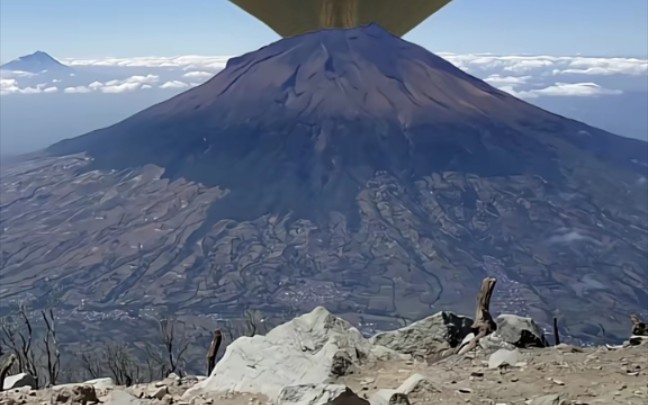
(527,77)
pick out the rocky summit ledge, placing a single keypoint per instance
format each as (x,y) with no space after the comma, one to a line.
(320,359)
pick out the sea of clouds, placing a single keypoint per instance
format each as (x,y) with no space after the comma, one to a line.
(523,76)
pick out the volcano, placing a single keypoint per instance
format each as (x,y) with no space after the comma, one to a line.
(301,125)
(37,62)
(346,168)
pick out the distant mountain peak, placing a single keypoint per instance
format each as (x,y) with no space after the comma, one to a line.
(36,62)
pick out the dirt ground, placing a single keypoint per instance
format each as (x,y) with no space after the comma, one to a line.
(592,376)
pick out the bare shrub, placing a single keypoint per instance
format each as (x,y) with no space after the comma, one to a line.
(17,334)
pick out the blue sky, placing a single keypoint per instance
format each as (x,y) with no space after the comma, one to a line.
(126,28)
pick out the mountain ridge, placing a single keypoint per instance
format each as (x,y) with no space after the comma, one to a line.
(36,62)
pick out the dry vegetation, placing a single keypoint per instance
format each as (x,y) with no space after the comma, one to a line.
(28,344)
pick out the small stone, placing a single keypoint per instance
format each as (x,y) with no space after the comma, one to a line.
(546,400)
(464,390)
(159,393)
(477,374)
(558,382)
(85,394)
(62,396)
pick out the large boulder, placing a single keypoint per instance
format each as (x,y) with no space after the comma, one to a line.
(428,336)
(519,331)
(19,380)
(311,349)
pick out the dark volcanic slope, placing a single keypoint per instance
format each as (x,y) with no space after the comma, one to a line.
(347,168)
(302,124)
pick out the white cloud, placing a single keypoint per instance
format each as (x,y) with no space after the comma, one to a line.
(77,90)
(543,64)
(120,88)
(189,62)
(174,84)
(148,79)
(605,66)
(569,90)
(117,86)
(14,73)
(497,80)
(12,86)
(520,75)
(125,85)
(198,75)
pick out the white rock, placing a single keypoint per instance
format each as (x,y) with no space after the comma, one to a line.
(504,357)
(312,394)
(173,376)
(99,384)
(298,352)
(547,400)
(389,397)
(492,343)
(519,331)
(19,380)
(427,336)
(416,384)
(121,398)
(158,393)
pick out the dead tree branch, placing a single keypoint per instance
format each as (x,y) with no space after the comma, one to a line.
(91,364)
(556,332)
(213,351)
(121,365)
(254,323)
(5,369)
(17,335)
(483,324)
(175,345)
(52,353)
(639,328)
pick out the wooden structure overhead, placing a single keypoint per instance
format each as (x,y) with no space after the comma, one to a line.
(293,17)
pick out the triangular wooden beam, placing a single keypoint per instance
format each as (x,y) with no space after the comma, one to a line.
(293,17)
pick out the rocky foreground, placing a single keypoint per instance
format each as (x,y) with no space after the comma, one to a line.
(319,359)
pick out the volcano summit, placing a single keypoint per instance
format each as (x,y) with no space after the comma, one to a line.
(344,168)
